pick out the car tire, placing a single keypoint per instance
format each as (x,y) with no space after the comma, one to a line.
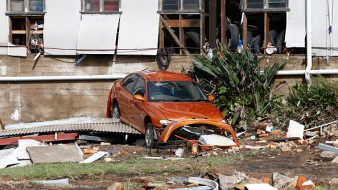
(192,39)
(232,35)
(115,114)
(149,136)
(273,37)
(255,43)
(281,42)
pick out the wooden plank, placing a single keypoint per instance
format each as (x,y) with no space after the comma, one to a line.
(173,35)
(181,33)
(245,31)
(10,37)
(223,22)
(266,31)
(184,23)
(36,31)
(18,31)
(202,25)
(28,29)
(161,36)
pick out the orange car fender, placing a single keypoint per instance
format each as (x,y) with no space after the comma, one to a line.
(154,114)
(109,103)
(173,126)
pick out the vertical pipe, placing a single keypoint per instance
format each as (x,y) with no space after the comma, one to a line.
(309,42)
(266,31)
(212,23)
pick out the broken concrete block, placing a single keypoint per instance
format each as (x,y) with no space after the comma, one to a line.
(227,182)
(335,160)
(334,183)
(301,142)
(179,152)
(54,154)
(335,144)
(328,154)
(22,152)
(273,147)
(214,153)
(279,181)
(241,186)
(286,149)
(231,151)
(295,130)
(299,150)
(116,186)
(108,160)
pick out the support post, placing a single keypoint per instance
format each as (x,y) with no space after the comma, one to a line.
(212,23)
(266,31)
(181,33)
(223,22)
(245,31)
(202,25)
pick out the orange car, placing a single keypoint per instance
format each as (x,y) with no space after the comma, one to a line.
(164,105)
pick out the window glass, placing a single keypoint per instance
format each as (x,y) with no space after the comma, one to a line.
(17,5)
(92,5)
(36,5)
(190,4)
(111,5)
(170,5)
(255,4)
(175,91)
(276,3)
(140,86)
(129,82)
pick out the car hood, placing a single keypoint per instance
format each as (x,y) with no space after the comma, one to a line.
(183,110)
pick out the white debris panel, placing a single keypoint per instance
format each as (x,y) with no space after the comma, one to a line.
(61,26)
(3,28)
(97,34)
(18,51)
(215,139)
(139,27)
(295,24)
(295,130)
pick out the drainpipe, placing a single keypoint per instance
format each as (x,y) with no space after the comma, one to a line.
(61,78)
(309,43)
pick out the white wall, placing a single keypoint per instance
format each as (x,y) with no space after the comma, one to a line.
(4,28)
(61,26)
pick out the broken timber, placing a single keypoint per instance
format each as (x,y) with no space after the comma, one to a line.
(173,35)
(46,138)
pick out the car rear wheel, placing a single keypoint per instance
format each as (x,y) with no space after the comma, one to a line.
(149,136)
(116,111)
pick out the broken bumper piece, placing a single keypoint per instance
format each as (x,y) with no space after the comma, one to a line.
(200,131)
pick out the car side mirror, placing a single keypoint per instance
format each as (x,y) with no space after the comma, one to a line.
(138,97)
(211,98)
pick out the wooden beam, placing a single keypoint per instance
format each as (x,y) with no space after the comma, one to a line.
(173,35)
(212,23)
(28,30)
(161,37)
(10,36)
(266,31)
(181,32)
(245,31)
(184,23)
(202,25)
(223,22)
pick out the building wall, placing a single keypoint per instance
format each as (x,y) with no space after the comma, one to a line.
(50,100)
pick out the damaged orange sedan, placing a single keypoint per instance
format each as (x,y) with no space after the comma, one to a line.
(165,105)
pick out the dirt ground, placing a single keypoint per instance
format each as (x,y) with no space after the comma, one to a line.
(266,162)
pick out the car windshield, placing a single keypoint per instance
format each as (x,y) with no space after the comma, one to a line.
(175,91)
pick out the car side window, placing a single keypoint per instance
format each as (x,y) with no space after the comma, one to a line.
(129,82)
(140,86)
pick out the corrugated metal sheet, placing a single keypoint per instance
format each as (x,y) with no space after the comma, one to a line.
(95,126)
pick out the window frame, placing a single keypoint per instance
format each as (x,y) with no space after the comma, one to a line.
(26,12)
(243,6)
(83,10)
(180,10)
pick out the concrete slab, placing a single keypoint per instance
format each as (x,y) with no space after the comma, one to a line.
(54,154)
(22,152)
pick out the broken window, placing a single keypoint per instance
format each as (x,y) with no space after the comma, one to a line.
(101,5)
(265,4)
(26,5)
(180,5)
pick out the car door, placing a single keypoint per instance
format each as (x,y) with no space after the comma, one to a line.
(126,95)
(137,106)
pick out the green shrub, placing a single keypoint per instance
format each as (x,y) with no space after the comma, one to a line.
(241,90)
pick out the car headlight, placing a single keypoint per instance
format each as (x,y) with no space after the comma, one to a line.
(223,121)
(166,122)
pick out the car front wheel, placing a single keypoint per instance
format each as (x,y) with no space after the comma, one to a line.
(116,111)
(149,136)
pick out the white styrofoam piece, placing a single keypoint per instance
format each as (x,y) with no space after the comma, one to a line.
(4,28)
(9,159)
(16,51)
(61,26)
(94,157)
(216,139)
(139,27)
(97,32)
(295,130)
(22,163)
(259,187)
(22,152)
(295,31)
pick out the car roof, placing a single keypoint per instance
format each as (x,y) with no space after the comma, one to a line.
(165,76)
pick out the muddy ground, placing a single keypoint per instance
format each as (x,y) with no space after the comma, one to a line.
(266,162)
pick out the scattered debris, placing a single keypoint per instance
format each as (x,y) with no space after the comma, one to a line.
(179,152)
(23,144)
(202,181)
(242,185)
(260,187)
(328,154)
(295,129)
(335,160)
(327,147)
(94,157)
(54,154)
(55,182)
(8,157)
(279,181)
(95,138)
(116,186)
(215,139)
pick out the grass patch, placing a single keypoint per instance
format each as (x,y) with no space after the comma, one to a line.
(134,166)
